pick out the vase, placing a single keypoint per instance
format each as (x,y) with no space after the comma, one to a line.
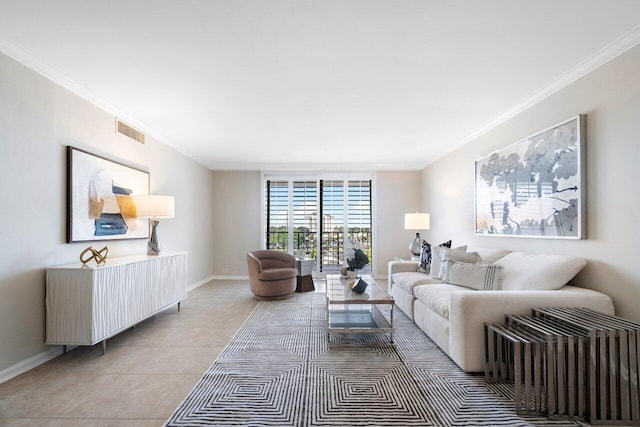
(352,274)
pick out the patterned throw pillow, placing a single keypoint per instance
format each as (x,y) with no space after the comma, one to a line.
(487,277)
(449,255)
(426,255)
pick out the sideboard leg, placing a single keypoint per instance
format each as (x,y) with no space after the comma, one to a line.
(179,305)
(104,347)
(64,349)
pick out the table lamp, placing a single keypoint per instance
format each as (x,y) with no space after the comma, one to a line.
(154,207)
(416,221)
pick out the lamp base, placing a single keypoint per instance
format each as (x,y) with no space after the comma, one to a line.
(416,245)
(153,246)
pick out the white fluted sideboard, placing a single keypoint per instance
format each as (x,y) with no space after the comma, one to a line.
(88,304)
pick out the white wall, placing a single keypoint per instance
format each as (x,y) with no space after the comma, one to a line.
(396,193)
(37,120)
(237,211)
(610,97)
(238,204)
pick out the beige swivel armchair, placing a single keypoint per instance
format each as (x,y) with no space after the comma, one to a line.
(272,274)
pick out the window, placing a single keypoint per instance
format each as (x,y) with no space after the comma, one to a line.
(277,211)
(305,219)
(308,217)
(359,215)
(333,216)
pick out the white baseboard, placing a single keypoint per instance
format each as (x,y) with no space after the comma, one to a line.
(200,283)
(230,277)
(52,353)
(30,363)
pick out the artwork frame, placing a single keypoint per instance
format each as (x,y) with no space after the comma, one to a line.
(535,187)
(99,203)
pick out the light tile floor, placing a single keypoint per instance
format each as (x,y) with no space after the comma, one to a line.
(145,374)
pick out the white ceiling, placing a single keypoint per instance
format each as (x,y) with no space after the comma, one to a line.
(263,84)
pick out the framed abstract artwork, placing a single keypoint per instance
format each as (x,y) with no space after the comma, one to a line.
(99,202)
(535,187)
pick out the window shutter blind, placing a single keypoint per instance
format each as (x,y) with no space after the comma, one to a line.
(333,215)
(277,215)
(359,216)
(309,218)
(305,218)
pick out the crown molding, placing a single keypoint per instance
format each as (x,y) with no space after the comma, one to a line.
(23,57)
(601,57)
(17,53)
(315,166)
(595,61)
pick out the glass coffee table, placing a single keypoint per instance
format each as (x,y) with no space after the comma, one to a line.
(351,315)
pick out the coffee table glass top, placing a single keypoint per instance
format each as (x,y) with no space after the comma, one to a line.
(338,292)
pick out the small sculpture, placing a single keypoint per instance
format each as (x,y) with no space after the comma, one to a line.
(99,256)
(359,286)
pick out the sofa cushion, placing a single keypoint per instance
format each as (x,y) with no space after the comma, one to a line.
(488,255)
(436,258)
(407,281)
(528,271)
(482,277)
(436,297)
(425,255)
(449,255)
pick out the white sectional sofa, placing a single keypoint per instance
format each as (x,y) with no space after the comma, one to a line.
(453,316)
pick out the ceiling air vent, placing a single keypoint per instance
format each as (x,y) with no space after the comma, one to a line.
(127,130)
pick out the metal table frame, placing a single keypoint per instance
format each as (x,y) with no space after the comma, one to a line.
(574,362)
(366,320)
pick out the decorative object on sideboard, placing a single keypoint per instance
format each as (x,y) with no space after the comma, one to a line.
(100,257)
(154,207)
(416,221)
(99,202)
(535,187)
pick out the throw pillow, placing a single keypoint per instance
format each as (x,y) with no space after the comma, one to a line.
(426,255)
(482,277)
(436,258)
(529,271)
(455,255)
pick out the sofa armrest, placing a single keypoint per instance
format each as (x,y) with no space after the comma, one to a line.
(468,310)
(401,267)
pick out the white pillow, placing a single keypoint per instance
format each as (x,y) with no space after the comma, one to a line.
(482,277)
(436,258)
(526,271)
(455,255)
(488,255)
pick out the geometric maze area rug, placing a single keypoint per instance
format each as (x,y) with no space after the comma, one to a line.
(279,371)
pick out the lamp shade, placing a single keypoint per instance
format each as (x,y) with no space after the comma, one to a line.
(152,206)
(416,221)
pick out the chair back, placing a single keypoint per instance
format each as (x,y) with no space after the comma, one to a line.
(273,259)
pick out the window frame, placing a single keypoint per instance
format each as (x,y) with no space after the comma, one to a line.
(344,176)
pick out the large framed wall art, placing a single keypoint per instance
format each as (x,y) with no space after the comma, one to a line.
(535,187)
(99,202)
